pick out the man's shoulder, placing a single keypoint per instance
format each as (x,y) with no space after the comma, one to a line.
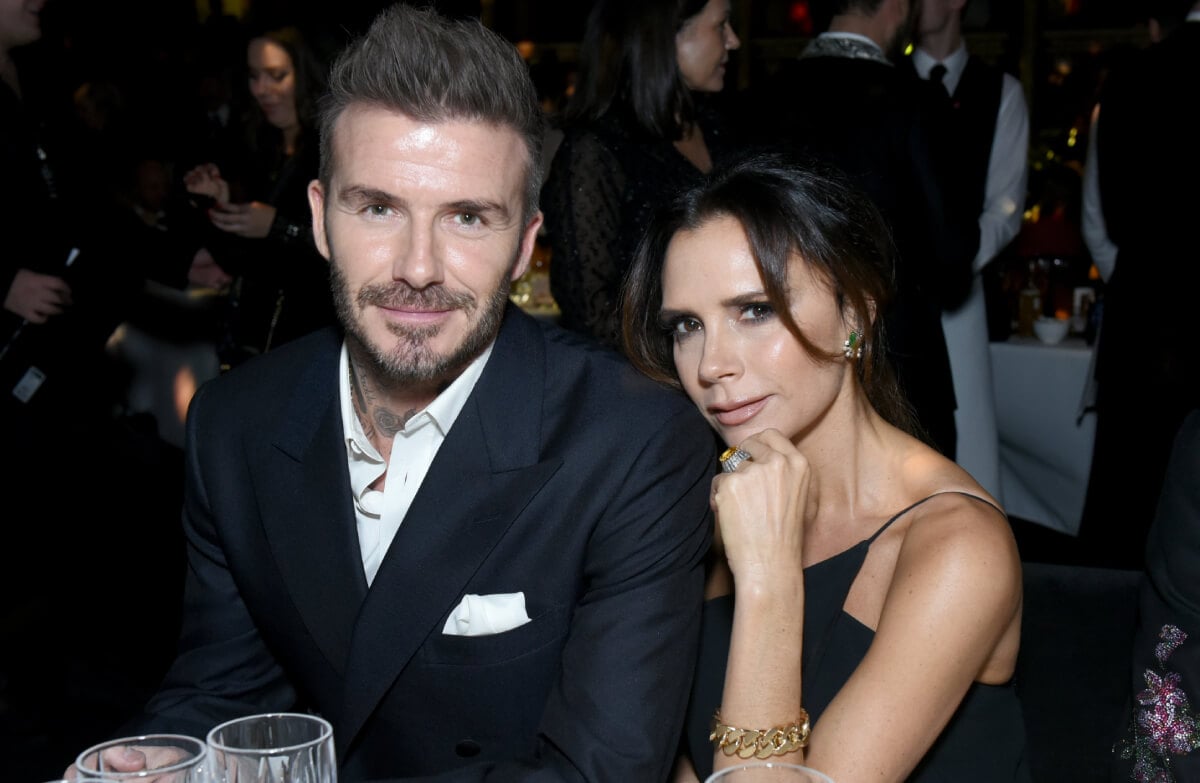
(281,371)
(594,380)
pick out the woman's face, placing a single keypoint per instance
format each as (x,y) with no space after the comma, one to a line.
(273,82)
(702,47)
(735,357)
(20,22)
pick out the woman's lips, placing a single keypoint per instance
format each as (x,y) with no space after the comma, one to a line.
(733,414)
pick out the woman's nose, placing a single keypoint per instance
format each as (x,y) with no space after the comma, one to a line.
(719,357)
(731,40)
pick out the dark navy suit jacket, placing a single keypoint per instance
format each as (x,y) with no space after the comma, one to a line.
(567,476)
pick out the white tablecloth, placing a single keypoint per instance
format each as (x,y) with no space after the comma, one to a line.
(1045,435)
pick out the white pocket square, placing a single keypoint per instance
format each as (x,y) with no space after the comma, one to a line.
(481,615)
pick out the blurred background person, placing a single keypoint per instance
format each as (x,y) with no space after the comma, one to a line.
(843,101)
(66,284)
(1144,355)
(1161,739)
(262,248)
(30,273)
(989,124)
(637,130)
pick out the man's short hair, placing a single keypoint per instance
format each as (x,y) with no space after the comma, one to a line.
(433,69)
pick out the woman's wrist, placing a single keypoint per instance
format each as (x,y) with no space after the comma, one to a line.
(768,586)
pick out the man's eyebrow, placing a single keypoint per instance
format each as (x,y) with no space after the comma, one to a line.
(480,207)
(360,194)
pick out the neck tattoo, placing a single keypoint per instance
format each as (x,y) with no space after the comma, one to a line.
(375,419)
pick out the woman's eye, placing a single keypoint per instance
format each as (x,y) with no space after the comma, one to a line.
(681,327)
(759,311)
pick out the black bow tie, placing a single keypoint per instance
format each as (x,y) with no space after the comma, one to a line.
(936,76)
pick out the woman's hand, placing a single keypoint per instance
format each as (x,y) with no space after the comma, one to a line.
(206,180)
(760,511)
(205,272)
(252,220)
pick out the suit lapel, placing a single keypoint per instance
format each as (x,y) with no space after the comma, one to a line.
(307,511)
(485,473)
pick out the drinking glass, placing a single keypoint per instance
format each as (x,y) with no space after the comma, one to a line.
(280,747)
(170,758)
(767,772)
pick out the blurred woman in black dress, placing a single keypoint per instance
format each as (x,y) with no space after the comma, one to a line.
(262,248)
(638,130)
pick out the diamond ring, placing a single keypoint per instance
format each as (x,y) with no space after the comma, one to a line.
(732,457)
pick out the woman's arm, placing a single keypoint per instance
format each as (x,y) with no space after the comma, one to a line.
(760,514)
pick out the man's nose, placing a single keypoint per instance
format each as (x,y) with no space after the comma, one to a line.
(418,259)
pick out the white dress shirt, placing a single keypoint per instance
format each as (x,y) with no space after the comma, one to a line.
(379,513)
(978,441)
(1095,230)
(1004,196)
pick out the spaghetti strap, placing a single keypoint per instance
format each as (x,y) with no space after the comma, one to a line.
(904,511)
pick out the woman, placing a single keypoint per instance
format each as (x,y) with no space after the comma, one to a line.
(636,133)
(263,248)
(878,587)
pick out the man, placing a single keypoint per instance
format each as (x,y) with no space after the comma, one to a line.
(986,113)
(472,543)
(1145,359)
(844,102)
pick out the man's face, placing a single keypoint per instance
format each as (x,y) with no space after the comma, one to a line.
(900,17)
(932,16)
(423,224)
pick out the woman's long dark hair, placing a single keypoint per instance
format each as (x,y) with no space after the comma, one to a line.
(627,63)
(788,208)
(311,79)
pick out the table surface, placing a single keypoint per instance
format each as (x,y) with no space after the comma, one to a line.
(1043,394)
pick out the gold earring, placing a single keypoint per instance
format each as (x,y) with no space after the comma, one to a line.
(852,347)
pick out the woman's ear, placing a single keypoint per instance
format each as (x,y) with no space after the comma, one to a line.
(859,322)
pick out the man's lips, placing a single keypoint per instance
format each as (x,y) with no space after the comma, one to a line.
(415,315)
(731,414)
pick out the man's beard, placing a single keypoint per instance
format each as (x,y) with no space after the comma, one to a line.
(411,360)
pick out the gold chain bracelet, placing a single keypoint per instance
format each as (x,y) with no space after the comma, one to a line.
(760,743)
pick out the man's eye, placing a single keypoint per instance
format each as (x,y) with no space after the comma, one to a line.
(468,219)
(377,210)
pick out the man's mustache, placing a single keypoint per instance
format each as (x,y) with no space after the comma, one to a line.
(403,296)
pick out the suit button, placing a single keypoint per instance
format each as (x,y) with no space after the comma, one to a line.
(467,748)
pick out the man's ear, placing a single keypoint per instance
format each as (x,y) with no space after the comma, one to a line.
(528,239)
(316,203)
